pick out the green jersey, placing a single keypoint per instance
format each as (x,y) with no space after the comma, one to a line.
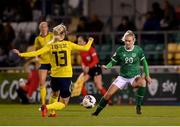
(129,60)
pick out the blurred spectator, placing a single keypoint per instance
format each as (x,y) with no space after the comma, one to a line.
(31,46)
(125,25)
(73,24)
(157,11)
(36,13)
(9,36)
(75,7)
(16,10)
(2,34)
(25,10)
(20,41)
(2,9)
(151,22)
(83,25)
(9,14)
(58,7)
(3,58)
(95,25)
(169,20)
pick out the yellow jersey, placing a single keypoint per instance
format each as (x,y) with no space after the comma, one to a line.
(60,56)
(40,42)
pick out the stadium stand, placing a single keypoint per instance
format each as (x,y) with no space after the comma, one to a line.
(177,54)
(171,52)
(106,39)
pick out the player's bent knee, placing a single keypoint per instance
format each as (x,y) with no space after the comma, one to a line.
(138,82)
(42,81)
(141,82)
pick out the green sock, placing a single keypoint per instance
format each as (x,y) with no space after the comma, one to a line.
(101,105)
(140,95)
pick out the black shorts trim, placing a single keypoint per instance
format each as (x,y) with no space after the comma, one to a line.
(96,70)
(45,67)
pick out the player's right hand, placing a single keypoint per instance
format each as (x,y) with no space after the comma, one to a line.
(16,51)
(148,80)
(104,67)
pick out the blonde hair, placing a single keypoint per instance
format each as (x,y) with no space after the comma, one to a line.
(57,28)
(41,23)
(128,33)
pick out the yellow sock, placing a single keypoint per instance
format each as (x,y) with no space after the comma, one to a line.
(52,99)
(55,106)
(43,94)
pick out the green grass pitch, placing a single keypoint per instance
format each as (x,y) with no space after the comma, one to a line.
(74,115)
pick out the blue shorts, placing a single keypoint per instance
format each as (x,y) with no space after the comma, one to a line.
(62,84)
(45,67)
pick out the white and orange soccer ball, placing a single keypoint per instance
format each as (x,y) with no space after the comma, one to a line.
(89,101)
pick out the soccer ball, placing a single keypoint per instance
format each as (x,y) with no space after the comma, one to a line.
(89,101)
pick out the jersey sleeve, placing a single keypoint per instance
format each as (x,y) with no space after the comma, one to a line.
(115,56)
(141,54)
(114,60)
(146,68)
(36,53)
(81,48)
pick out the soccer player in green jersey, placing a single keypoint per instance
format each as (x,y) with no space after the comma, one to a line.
(129,57)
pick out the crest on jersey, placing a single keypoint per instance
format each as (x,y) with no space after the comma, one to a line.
(133,54)
(153,87)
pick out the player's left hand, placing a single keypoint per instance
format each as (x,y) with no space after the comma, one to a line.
(90,39)
(148,80)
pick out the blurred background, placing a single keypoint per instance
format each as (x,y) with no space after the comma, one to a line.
(156,24)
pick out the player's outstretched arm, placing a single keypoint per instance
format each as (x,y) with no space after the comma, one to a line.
(84,47)
(109,65)
(114,60)
(146,71)
(33,53)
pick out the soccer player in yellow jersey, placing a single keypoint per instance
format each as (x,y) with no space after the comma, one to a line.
(44,37)
(61,68)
